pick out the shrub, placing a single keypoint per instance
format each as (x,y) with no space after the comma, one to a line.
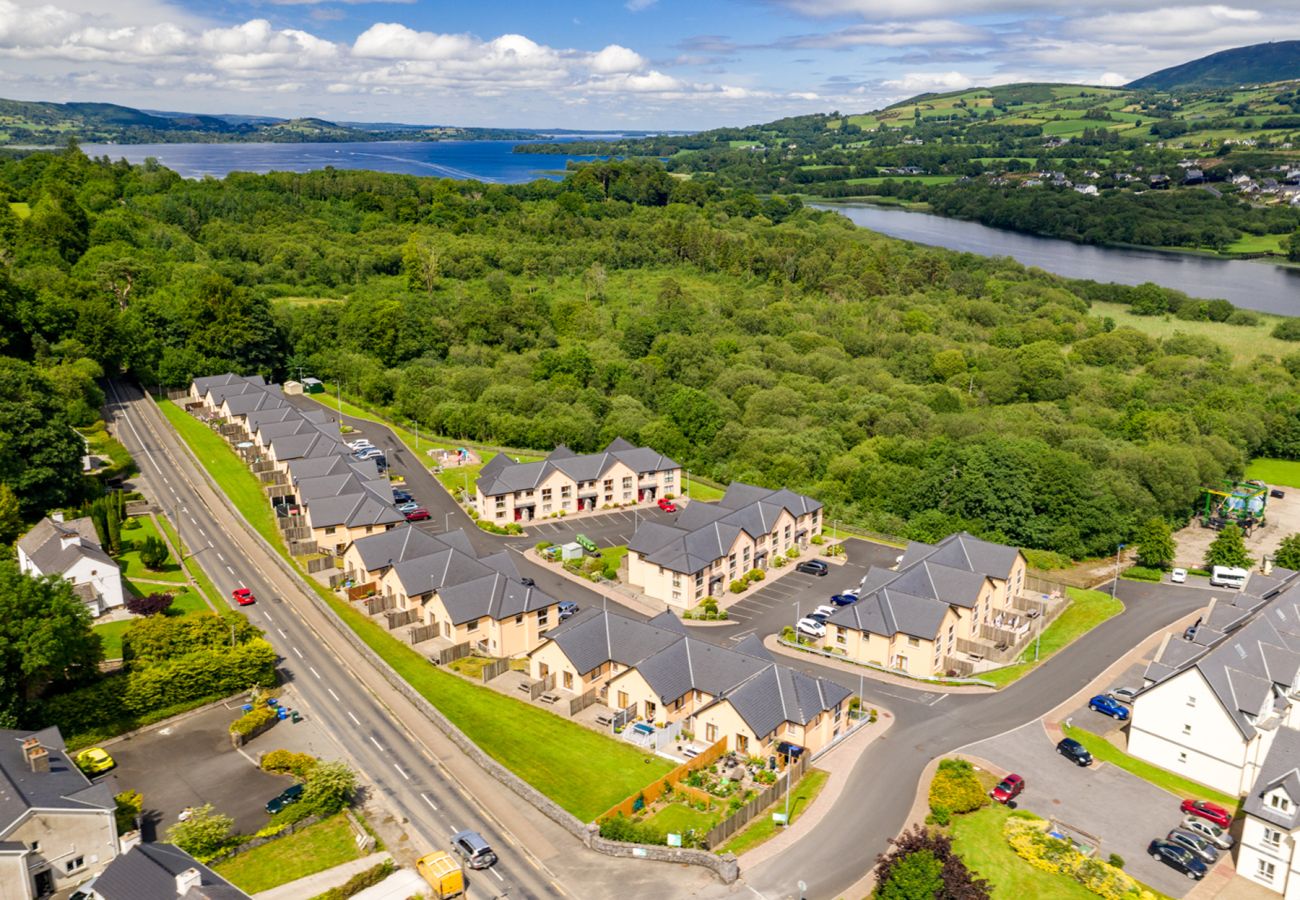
(129,806)
(778,561)
(150,605)
(792,553)
(252,720)
(542,545)
(621,828)
(788,633)
(329,787)
(1028,837)
(922,863)
(1142,573)
(514,528)
(204,834)
(359,882)
(286,762)
(1287,330)
(1047,559)
(1116,860)
(818,539)
(737,587)
(755,575)
(955,789)
(153,553)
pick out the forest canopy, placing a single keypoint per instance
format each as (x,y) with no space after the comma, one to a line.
(913,390)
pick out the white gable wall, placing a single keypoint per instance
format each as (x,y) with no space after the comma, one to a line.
(1266,854)
(106,578)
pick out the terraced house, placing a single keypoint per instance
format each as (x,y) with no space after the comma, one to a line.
(712,544)
(655,671)
(943,608)
(508,491)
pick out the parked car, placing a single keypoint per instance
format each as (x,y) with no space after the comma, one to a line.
(825,610)
(243,596)
(94,760)
(1008,789)
(812,567)
(471,847)
(369,453)
(85,891)
(1074,751)
(1107,705)
(402,496)
(287,797)
(567,608)
(586,543)
(1125,694)
(1208,830)
(407,506)
(1178,576)
(844,599)
(667,505)
(1179,858)
(419,514)
(1207,810)
(359,444)
(819,617)
(527,582)
(1204,850)
(811,627)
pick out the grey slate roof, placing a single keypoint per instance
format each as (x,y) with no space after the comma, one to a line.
(207,382)
(378,551)
(269,398)
(62,787)
(502,475)
(43,545)
(331,464)
(496,596)
(777,694)
(258,418)
(437,571)
(297,446)
(888,612)
(704,532)
(1281,769)
(691,664)
(363,506)
(268,431)
(218,394)
(963,551)
(148,872)
(600,636)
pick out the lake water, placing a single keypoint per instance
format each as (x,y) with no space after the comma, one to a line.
(1259,286)
(490,161)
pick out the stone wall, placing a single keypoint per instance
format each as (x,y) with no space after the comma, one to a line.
(725,866)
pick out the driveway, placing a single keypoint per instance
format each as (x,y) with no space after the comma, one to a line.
(1120,809)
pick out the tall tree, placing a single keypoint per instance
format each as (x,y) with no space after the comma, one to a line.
(11,515)
(956,882)
(1228,549)
(1288,553)
(1155,544)
(40,454)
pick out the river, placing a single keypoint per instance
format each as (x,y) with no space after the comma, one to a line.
(1248,284)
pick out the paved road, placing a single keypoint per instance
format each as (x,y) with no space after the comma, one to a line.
(414,770)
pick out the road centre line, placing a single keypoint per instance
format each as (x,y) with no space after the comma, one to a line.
(354,719)
(496,873)
(334,695)
(401,772)
(376,743)
(314,672)
(425,798)
(230,570)
(299,652)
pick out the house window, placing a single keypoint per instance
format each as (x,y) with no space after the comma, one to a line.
(1265,871)
(546,507)
(1191,701)
(668,478)
(677,595)
(565,492)
(568,681)
(1187,729)
(541,617)
(1272,838)
(501,502)
(622,700)
(74,864)
(711,733)
(546,495)
(840,636)
(1278,802)
(913,642)
(500,515)
(519,619)
(627,483)
(472,626)
(330,530)
(742,743)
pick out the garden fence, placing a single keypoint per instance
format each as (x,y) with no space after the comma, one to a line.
(453,653)
(579,703)
(541,686)
(495,668)
(742,817)
(399,617)
(673,780)
(421,633)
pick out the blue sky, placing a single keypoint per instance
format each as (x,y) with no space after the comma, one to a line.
(649,64)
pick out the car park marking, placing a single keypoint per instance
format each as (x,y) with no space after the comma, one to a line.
(299,652)
(375,742)
(938,699)
(425,798)
(314,672)
(334,695)
(401,772)
(353,718)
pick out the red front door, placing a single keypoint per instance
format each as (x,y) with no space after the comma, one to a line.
(519,514)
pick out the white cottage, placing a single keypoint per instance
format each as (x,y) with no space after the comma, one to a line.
(72,551)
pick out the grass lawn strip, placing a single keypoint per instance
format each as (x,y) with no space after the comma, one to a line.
(110,633)
(129,559)
(1284,472)
(538,746)
(202,583)
(1086,611)
(314,849)
(678,818)
(763,829)
(1105,751)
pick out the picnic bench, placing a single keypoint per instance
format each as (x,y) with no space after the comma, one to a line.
(604,719)
(525,688)
(549,698)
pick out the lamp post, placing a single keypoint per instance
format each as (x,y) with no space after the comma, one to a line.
(339,395)
(1118,549)
(446,522)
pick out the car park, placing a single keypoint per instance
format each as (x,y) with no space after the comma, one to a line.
(567,608)
(243,596)
(1125,694)
(1074,751)
(825,610)
(94,761)
(368,453)
(668,506)
(359,444)
(1207,810)
(1204,850)
(812,567)
(1108,705)
(473,849)
(419,514)
(818,617)
(1178,576)
(1208,830)
(401,496)
(1179,858)
(811,627)
(1008,789)
(287,797)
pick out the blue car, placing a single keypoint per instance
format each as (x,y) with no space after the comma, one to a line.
(402,496)
(846,599)
(1108,706)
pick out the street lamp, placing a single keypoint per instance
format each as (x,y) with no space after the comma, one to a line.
(446,523)
(1118,548)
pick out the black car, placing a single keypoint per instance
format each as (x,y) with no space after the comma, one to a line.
(288,797)
(1179,858)
(1074,751)
(812,567)
(527,582)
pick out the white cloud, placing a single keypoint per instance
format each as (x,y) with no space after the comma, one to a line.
(615,58)
(921,82)
(891,34)
(638,5)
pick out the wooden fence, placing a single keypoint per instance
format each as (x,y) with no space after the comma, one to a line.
(396,618)
(421,633)
(303,548)
(742,817)
(379,603)
(674,779)
(581,702)
(455,652)
(495,669)
(357,592)
(320,564)
(541,686)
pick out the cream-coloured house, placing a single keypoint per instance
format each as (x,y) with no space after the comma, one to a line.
(341,509)
(508,491)
(71,550)
(712,544)
(940,601)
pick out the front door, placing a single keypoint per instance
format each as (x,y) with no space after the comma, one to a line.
(649,711)
(44,883)
(519,514)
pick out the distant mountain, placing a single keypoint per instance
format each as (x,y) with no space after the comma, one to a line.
(1257,64)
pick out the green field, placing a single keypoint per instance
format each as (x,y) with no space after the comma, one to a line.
(1104,751)
(911,179)
(314,849)
(1244,342)
(1279,472)
(1258,243)
(1086,611)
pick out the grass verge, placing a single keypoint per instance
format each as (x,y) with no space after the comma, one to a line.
(1285,472)
(206,589)
(977,838)
(1105,751)
(538,746)
(1086,611)
(129,559)
(314,849)
(763,829)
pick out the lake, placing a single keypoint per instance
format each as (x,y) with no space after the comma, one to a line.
(490,161)
(1253,285)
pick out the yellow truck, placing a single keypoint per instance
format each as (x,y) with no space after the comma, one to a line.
(443,874)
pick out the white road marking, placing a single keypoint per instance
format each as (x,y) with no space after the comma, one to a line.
(400,772)
(131,424)
(172,489)
(194,521)
(314,672)
(354,719)
(202,532)
(282,632)
(942,697)
(425,798)
(376,743)
(230,570)
(268,616)
(165,481)
(454,830)
(209,545)
(220,557)
(334,695)
(497,874)
(299,652)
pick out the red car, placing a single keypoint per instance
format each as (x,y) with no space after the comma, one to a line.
(243,596)
(419,514)
(1207,810)
(667,506)
(1008,789)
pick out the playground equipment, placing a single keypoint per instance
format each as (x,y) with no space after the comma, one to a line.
(1240,503)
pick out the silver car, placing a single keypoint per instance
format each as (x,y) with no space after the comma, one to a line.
(1124,694)
(1204,850)
(1208,830)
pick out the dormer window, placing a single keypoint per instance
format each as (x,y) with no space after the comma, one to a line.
(1279,802)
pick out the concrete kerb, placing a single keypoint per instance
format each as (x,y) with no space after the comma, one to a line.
(525,791)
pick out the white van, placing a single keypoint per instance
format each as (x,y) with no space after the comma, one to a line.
(1226,576)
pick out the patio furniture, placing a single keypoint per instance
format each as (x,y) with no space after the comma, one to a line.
(525,688)
(549,698)
(643,728)
(690,753)
(604,719)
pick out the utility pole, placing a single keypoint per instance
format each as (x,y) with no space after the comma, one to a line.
(1118,548)
(339,387)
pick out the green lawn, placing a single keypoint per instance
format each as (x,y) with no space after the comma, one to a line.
(977,838)
(677,818)
(536,745)
(103,444)
(110,633)
(613,555)
(1257,243)
(1086,611)
(698,490)
(129,560)
(1283,472)
(1105,751)
(762,828)
(184,600)
(314,849)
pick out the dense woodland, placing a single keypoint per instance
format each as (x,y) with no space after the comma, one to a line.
(914,390)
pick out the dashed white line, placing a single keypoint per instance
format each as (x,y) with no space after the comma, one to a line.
(299,652)
(230,570)
(401,772)
(334,695)
(209,545)
(497,874)
(283,633)
(354,719)
(194,521)
(314,672)
(220,557)
(432,805)
(376,743)
(202,532)
(268,616)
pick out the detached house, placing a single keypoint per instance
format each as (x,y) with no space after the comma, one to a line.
(711,544)
(72,551)
(57,829)
(161,872)
(943,604)
(507,491)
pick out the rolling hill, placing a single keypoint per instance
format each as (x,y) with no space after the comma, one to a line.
(1257,64)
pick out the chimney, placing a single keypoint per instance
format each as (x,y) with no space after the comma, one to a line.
(38,759)
(188,879)
(56,516)
(69,539)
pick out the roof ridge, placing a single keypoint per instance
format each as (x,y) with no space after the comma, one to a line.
(780,692)
(690,668)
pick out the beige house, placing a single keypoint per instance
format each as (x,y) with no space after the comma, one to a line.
(942,601)
(712,544)
(341,509)
(57,829)
(507,491)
